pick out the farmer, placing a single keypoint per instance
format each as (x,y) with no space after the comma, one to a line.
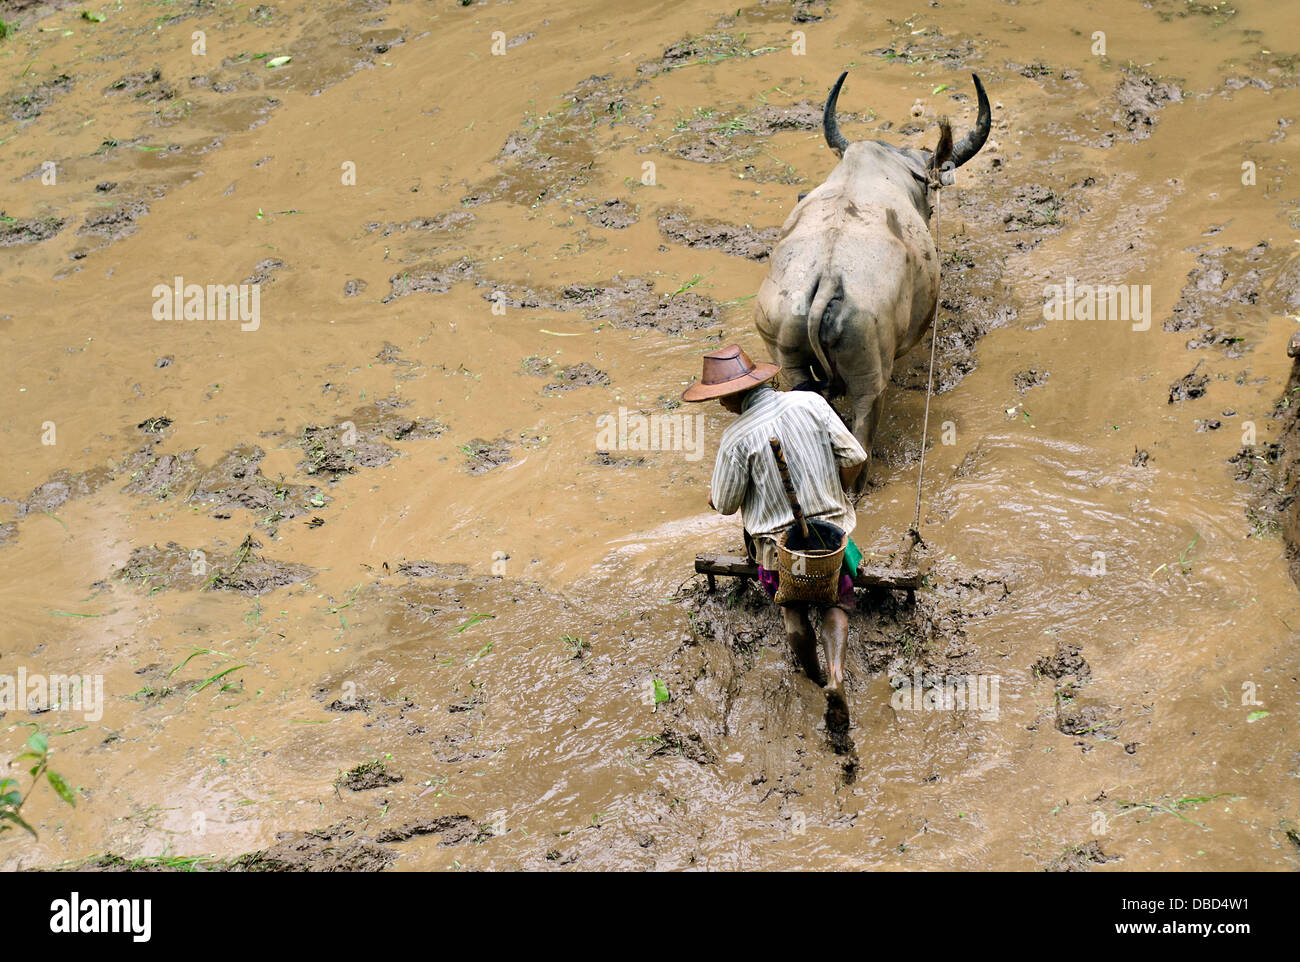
(824,459)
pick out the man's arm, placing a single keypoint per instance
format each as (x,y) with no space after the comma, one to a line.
(849,454)
(730,479)
(849,474)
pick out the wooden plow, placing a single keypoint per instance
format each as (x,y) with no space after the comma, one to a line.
(907,578)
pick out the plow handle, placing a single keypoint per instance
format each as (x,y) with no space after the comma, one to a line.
(788,485)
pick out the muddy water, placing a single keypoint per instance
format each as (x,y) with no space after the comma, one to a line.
(476,590)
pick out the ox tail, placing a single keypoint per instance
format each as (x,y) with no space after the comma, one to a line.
(822,295)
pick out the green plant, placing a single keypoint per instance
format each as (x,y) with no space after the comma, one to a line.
(12,798)
(661,692)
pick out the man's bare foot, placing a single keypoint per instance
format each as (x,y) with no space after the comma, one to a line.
(812,671)
(837,720)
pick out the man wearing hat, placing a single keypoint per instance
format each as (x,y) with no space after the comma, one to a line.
(824,459)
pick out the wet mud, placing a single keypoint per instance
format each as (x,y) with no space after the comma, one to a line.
(373,587)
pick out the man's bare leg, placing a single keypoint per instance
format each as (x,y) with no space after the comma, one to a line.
(835,636)
(803,642)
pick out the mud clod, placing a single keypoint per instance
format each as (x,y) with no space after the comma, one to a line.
(1080,858)
(1035,208)
(432,569)
(336,849)
(1024,380)
(605,459)
(1189,387)
(428,279)
(155,425)
(167,567)
(147,86)
(115,223)
(14,233)
(30,102)
(62,487)
(738,240)
(576,376)
(1232,289)
(615,214)
(973,301)
(1272,472)
(1075,719)
(689,745)
(237,481)
(712,46)
(1067,663)
(160,475)
(264,271)
(1140,97)
(368,776)
(535,366)
(453,829)
(483,455)
(358,441)
(443,222)
(175,567)
(629,304)
(354,704)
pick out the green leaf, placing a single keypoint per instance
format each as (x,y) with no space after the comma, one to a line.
(60,786)
(17,820)
(661,692)
(474,619)
(37,742)
(11,799)
(1256,716)
(93,18)
(939,89)
(8,785)
(277,62)
(216,677)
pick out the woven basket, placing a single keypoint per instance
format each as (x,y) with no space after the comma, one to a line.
(808,574)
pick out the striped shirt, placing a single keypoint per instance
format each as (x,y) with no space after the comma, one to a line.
(816,444)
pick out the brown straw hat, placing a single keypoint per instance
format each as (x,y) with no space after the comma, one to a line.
(726,372)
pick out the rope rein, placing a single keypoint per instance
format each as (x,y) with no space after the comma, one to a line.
(915,532)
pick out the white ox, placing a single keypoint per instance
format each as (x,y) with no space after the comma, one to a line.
(854,275)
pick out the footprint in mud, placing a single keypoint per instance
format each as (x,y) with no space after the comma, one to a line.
(838,723)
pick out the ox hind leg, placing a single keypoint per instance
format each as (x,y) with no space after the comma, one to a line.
(868,411)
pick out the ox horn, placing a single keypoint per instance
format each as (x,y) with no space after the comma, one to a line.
(834,139)
(968,146)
